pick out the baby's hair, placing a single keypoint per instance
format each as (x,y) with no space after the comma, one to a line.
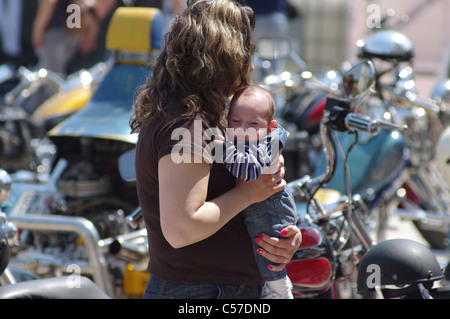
(256,88)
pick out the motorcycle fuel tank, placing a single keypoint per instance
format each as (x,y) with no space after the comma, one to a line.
(374,163)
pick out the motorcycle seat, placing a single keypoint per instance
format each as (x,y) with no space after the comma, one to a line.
(52,288)
(135,29)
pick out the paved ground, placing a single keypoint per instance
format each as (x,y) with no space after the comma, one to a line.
(399,228)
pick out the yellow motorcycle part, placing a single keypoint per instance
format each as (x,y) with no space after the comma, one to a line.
(62,104)
(134,281)
(327,196)
(130,29)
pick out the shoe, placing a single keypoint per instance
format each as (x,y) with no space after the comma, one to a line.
(278,289)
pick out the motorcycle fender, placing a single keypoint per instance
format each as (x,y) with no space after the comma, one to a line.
(100,120)
(311,273)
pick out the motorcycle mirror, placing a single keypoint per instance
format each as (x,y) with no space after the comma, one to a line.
(126,166)
(273,48)
(5,186)
(358,80)
(441,92)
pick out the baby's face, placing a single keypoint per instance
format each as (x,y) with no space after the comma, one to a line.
(250,114)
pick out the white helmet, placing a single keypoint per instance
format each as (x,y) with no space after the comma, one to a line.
(443,154)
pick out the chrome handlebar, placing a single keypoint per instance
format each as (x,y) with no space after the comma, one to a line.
(33,80)
(355,122)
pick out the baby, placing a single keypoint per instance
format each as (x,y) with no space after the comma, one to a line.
(253,144)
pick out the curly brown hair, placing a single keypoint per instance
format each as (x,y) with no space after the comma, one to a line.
(209,46)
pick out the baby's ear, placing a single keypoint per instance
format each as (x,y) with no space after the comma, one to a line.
(272,125)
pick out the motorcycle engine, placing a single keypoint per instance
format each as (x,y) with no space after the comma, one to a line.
(90,187)
(80,180)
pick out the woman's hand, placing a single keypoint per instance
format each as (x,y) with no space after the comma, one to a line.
(279,250)
(264,186)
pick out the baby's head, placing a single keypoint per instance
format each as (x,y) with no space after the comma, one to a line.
(252,107)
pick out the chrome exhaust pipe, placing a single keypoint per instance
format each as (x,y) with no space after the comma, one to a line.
(127,251)
(84,228)
(131,247)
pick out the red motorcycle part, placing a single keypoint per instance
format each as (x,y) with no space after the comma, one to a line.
(316,112)
(309,267)
(310,237)
(310,272)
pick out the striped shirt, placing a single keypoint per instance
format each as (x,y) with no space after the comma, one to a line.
(251,159)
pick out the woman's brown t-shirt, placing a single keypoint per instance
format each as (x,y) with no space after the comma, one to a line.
(225,257)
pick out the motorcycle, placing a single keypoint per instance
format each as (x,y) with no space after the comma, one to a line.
(395,172)
(19,137)
(40,100)
(397,268)
(423,195)
(19,284)
(78,216)
(344,223)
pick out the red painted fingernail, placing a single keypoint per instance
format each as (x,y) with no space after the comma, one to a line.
(283,232)
(259,251)
(256,240)
(260,235)
(270,267)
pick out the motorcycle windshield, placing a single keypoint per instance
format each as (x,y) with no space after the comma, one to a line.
(108,113)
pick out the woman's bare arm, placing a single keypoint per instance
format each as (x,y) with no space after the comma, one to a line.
(186,216)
